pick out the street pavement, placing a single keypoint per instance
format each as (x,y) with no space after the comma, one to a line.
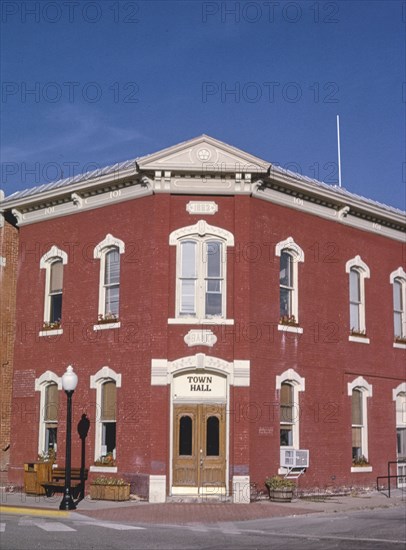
(188,510)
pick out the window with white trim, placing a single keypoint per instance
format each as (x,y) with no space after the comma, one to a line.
(358,271)
(109,251)
(201,266)
(48,385)
(401,424)
(105,382)
(53,262)
(289,384)
(359,390)
(290,255)
(398,280)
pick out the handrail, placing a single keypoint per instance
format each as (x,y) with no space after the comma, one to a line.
(389,477)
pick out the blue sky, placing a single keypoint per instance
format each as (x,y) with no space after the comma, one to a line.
(86,84)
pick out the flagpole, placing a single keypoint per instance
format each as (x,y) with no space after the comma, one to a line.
(339,152)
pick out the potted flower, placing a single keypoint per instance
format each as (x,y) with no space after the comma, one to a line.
(107,318)
(106,460)
(54,325)
(359,333)
(109,488)
(288,320)
(280,489)
(360,461)
(400,340)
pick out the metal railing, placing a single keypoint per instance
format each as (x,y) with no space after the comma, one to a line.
(389,476)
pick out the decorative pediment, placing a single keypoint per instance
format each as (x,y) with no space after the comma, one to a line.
(203,154)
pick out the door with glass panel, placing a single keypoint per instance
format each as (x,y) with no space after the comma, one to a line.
(199,446)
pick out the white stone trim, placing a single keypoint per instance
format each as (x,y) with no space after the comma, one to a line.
(103,469)
(361,469)
(399,389)
(163,371)
(399,273)
(53,332)
(207,208)
(361,384)
(196,321)
(399,345)
(47,377)
(360,264)
(202,337)
(293,377)
(108,242)
(290,328)
(105,326)
(157,488)
(359,339)
(290,245)
(2,261)
(53,253)
(241,490)
(201,229)
(104,374)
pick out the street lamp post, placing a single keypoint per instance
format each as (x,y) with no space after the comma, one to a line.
(69,383)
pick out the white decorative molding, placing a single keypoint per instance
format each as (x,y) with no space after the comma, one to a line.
(201,228)
(241,490)
(358,262)
(77,200)
(157,488)
(360,383)
(18,215)
(358,339)
(2,261)
(289,244)
(106,326)
(343,212)
(202,207)
(399,273)
(293,377)
(46,378)
(290,328)
(237,372)
(399,389)
(54,252)
(105,373)
(108,242)
(203,337)
(361,469)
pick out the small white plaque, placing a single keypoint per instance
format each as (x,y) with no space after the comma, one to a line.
(202,207)
(200,338)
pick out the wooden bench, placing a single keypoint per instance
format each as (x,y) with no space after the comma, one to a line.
(57,483)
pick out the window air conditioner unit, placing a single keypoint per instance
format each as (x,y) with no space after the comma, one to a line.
(294,458)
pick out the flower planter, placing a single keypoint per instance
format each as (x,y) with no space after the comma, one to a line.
(281,495)
(110,492)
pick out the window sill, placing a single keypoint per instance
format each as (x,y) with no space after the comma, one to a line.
(399,345)
(106,326)
(290,328)
(359,339)
(53,332)
(194,321)
(360,469)
(103,469)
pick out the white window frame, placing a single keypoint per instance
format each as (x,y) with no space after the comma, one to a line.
(41,384)
(400,408)
(364,273)
(295,251)
(105,374)
(298,383)
(399,275)
(54,254)
(366,391)
(100,251)
(200,233)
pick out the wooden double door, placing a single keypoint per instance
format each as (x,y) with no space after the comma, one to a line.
(199,447)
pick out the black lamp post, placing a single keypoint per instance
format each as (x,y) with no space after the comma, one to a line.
(69,383)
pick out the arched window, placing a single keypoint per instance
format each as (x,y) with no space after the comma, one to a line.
(105,382)
(201,271)
(290,255)
(398,280)
(48,384)
(358,271)
(53,262)
(289,384)
(109,251)
(359,390)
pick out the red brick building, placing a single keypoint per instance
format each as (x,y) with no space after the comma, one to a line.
(221,314)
